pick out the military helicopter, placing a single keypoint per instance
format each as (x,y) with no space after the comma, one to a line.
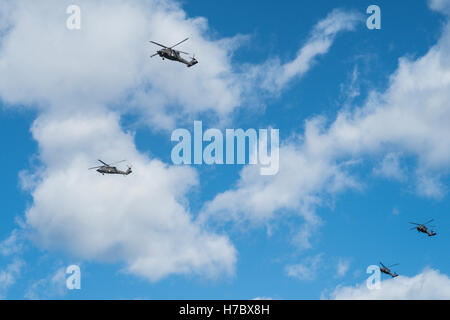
(387,271)
(110,169)
(174,55)
(423,228)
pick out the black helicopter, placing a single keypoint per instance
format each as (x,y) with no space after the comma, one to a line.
(423,228)
(174,55)
(387,271)
(110,169)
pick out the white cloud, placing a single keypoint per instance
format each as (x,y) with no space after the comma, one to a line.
(51,287)
(351,90)
(428,285)
(9,275)
(431,187)
(305,181)
(440,5)
(273,75)
(5,18)
(302,174)
(13,244)
(142,220)
(306,270)
(390,168)
(342,267)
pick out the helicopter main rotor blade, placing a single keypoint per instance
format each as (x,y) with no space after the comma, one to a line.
(413,228)
(428,222)
(394,265)
(179,43)
(154,55)
(382,264)
(158,44)
(118,162)
(417,224)
(95,168)
(183,52)
(103,163)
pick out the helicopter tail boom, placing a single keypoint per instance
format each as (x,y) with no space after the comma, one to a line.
(192,63)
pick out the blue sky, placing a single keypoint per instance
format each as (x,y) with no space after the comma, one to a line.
(360,210)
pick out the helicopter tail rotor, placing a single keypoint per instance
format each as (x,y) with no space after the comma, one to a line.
(129,171)
(193,61)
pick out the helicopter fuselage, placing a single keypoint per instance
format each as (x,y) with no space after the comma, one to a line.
(422,227)
(174,55)
(113,170)
(388,272)
(170,54)
(425,230)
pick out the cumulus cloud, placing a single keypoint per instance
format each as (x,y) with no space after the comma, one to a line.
(428,285)
(142,220)
(301,185)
